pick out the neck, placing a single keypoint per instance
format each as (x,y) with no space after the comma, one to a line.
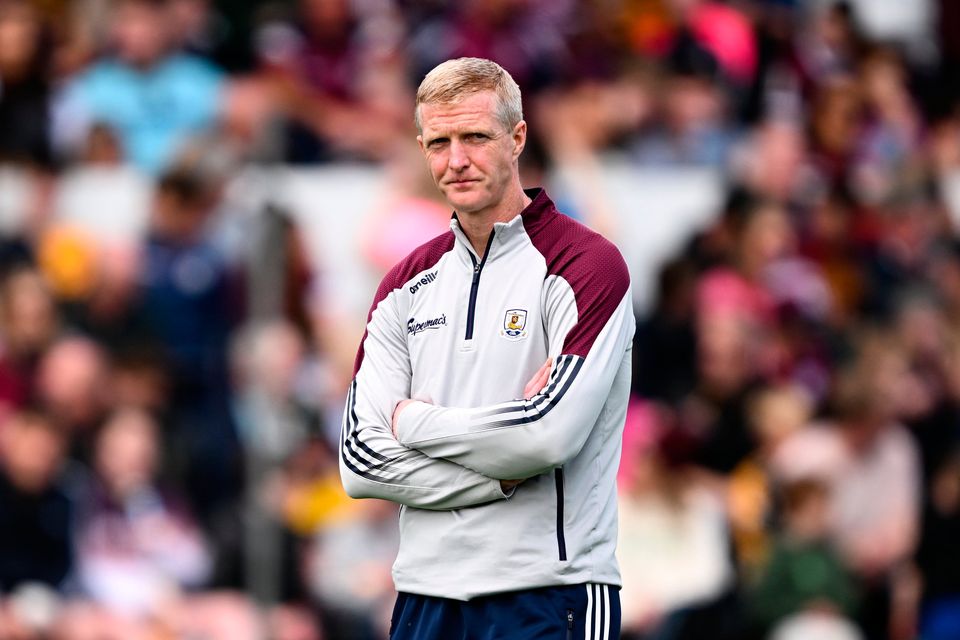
(477,225)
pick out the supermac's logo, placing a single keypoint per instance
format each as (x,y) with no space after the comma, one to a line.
(514,324)
(414,327)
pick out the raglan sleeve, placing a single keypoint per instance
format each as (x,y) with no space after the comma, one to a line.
(589,321)
(372,463)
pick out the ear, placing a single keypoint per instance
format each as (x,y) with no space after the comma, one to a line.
(420,144)
(519,138)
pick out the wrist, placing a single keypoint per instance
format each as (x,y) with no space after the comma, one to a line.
(401,417)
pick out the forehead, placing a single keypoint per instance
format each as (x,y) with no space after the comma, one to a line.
(475,110)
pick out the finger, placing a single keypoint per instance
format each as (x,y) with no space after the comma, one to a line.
(539,380)
(528,390)
(547,367)
(542,378)
(532,387)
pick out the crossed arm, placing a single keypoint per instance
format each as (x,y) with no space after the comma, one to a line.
(435,457)
(531,389)
(373,464)
(527,437)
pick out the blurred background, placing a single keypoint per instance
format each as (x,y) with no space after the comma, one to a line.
(198,198)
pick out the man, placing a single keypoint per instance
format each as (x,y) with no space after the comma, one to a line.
(508,507)
(151,96)
(36,511)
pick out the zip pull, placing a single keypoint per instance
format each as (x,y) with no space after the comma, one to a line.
(472,301)
(569,624)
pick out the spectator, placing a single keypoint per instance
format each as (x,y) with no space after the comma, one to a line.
(835,239)
(777,413)
(36,512)
(876,502)
(136,545)
(70,384)
(153,97)
(187,296)
(888,151)
(694,129)
(275,427)
(735,323)
(664,355)
(409,215)
(773,162)
(803,572)
(930,409)
(349,572)
(672,552)
(835,127)
(275,422)
(29,322)
(830,45)
(520,36)
(936,556)
(24,116)
(342,86)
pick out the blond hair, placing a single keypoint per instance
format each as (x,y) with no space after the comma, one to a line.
(451,81)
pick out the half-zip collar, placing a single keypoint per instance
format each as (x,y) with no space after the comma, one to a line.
(475,285)
(533,215)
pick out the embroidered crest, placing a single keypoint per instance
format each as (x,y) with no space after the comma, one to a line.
(514,324)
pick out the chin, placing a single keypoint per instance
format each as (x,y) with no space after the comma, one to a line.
(465,203)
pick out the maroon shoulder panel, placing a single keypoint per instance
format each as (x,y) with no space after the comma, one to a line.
(590,263)
(422,258)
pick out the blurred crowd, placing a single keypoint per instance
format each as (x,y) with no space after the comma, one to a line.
(173,362)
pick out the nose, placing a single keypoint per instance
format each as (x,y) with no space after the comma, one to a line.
(458,159)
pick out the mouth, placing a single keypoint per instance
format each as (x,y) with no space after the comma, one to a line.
(461,183)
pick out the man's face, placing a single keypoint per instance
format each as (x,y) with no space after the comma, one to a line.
(140,32)
(471,154)
(31,455)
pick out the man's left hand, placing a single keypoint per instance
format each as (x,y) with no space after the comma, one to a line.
(396,416)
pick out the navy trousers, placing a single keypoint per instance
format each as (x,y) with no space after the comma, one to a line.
(576,612)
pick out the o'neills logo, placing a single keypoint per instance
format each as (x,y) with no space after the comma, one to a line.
(425,280)
(414,327)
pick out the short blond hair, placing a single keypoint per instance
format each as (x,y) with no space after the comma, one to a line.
(451,81)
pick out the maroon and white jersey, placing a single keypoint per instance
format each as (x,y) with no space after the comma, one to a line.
(463,333)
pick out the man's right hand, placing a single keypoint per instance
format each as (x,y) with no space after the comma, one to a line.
(534,386)
(509,485)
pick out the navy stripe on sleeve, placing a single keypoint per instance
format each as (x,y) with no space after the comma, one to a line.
(348,435)
(529,410)
(522,405)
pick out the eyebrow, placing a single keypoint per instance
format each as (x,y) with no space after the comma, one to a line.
(489,133)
